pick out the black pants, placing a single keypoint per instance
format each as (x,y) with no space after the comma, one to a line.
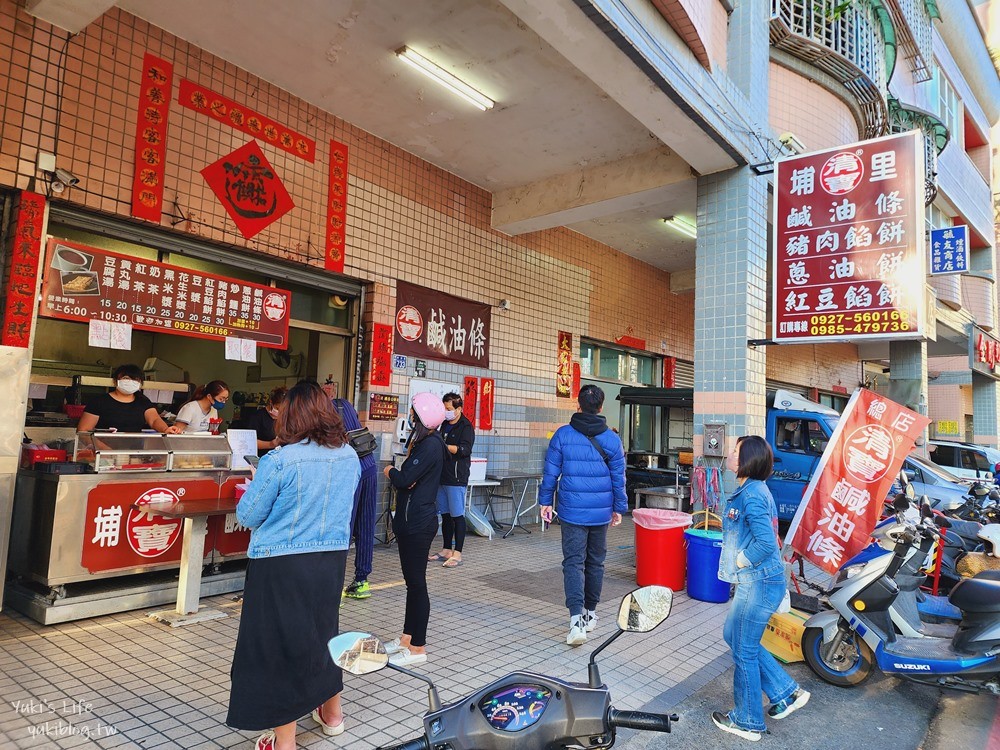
(413,551)
(453,526)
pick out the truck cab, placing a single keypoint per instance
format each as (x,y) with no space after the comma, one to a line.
(798,430)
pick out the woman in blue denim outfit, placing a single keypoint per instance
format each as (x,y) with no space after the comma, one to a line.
(752,560)
(298,509)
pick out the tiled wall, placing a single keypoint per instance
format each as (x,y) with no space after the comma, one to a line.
(818,118)
(815,366)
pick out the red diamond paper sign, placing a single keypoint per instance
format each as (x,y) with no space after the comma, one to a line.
(248,188)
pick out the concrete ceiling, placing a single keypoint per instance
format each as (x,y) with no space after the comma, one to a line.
(549,120)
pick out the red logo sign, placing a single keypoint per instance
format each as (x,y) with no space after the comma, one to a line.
(249,189)
(841,173)
(409,323)
(274,307)
(148,533)
(988,351)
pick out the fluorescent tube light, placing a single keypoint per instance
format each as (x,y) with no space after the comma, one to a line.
(444,78)
(683,226)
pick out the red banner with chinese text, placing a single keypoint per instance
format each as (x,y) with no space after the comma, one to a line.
(441,326)
(669,371)
(151,138)
(336,209)
(486,402)
(471,400)
(248,188)
(26,252)
(849,242)
(219,108)
(564,368)
(848,489)
(381,369)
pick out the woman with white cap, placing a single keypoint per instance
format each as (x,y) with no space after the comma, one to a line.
(415,523)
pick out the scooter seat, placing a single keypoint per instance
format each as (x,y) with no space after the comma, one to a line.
(976,595)
(965,529)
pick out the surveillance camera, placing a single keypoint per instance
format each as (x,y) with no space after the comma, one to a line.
(791,142)
(66,177)
(504,304)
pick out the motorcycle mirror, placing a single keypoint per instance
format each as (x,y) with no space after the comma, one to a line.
(925,508)
(900,503)
(358,653)
(943,522)
(645,608)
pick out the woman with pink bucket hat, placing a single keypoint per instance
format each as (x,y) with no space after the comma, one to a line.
(415,523)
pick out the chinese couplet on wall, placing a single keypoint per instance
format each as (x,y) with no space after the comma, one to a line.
(151,138)
(86,283)
(844,499)
(336,209)
(564,367)
(26,251)
(470,400)
(849,242)
(441,326)
(248,188)
(487,394)
(381,369)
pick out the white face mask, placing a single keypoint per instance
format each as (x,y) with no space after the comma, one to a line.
(128,387)
(449,415)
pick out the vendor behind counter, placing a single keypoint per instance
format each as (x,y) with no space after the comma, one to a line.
(123,409)
(263,421)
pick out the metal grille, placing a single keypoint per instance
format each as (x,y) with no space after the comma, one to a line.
(684,374)
(913,25)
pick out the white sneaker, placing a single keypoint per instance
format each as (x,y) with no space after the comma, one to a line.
(577,634)
(405,658)
(590,620)
(392,647)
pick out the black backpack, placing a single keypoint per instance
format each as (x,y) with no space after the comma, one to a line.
(361,440)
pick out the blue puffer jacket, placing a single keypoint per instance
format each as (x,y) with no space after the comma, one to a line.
(589,489)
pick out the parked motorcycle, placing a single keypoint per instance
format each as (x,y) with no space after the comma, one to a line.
(524,710)
(844,644)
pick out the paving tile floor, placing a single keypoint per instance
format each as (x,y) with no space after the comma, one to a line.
(124,681)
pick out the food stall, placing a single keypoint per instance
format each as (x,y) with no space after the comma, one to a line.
(657,430)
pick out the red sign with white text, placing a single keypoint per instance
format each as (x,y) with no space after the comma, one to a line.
(86,283)
(844,499)
(487,394)
(441,326)
(984,353)
(849,242)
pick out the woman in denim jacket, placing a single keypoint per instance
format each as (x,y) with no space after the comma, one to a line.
(298,510)
(751,559)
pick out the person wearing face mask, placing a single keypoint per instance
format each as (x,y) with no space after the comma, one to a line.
(459,437)
(198,414)
(263,421)
(124,409)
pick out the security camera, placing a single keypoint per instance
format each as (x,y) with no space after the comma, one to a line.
(791,142)
(66,177)
(504,304)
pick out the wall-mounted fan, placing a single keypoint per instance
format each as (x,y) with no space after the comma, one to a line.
(287,359)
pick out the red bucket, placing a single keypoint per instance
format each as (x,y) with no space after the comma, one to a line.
(659,547)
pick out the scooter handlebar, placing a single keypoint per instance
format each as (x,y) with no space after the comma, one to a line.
(420,743)
(640,720)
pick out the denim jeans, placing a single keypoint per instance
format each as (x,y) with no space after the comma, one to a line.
(756,669)
(584,550)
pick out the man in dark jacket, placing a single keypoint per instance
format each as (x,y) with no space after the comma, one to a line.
(587,461)
(459,437)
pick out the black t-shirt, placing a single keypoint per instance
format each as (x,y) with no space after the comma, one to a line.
(263,424)
(112,413)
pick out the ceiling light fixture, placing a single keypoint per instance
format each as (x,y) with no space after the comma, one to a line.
(683,226)
(444,78)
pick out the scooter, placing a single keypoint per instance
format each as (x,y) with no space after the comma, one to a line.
(843,645)
(524,710)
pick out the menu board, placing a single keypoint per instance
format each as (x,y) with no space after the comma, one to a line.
(86,283)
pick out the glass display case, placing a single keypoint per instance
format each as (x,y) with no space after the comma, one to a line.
(121,451)
(198,452)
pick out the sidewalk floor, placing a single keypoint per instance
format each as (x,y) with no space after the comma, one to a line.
(126,681)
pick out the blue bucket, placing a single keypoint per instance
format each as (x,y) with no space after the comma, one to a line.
(704,548)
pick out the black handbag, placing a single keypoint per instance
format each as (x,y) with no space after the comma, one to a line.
(361,439)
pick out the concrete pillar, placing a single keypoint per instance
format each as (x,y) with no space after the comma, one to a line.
(748,51)
(908,375)
(985,394)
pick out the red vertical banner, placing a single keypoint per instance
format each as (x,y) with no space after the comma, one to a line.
(564,368)
(381,370)
(336,209)
(669,372)
(470,399)
(151,138)
(844,499)
(26,250)
(486,396)
(576,379)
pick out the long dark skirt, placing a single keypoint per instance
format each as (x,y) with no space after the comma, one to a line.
(282,669)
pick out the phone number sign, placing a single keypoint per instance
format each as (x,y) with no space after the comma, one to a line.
(849,243)
(86,283)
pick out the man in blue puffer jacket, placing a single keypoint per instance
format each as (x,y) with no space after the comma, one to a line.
(587,462)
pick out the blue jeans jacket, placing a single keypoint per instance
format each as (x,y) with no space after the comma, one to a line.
(301,500)
(750,526)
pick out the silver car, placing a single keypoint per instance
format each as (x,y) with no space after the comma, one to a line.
(945,490)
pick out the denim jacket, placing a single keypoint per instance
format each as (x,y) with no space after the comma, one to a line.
(300,500)
(750,526)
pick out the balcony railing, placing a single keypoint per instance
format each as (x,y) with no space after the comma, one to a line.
(847,43)
(903,118)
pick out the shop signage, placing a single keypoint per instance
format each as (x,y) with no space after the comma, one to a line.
(564,368)
(631,342)
(849,243)
(855,474)
(86,283)
(470,400)
(336,209)
(487,393)
(984,353)
(26,251)
(947,427)
(151,138)
(219,108)
(421,368)
(383,406)
(950,250)
(381,369)
(441,326)
(249,189)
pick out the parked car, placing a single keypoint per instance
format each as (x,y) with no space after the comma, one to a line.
(945,490)
(964,460)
